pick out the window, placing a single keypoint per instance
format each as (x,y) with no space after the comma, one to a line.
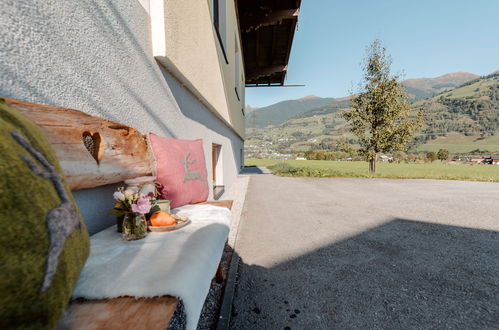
(220,22)
(237,70)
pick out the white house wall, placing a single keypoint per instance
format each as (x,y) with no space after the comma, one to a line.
(96,56)
(185,42)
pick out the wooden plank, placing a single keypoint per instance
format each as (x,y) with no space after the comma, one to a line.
(265,71)
(214,163)
(92,151)
(119,313)
(219,275)
(226,203)
(250,21)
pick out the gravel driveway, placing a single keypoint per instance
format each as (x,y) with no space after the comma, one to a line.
(339,253)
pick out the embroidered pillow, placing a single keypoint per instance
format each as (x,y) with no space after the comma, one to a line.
(181,169)
(44,242)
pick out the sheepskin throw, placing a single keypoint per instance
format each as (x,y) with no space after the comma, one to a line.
(179,263)
(43,239)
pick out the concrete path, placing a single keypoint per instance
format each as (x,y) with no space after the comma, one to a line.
(368,253)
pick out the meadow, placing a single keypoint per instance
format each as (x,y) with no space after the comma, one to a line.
(435,170)
(459,143)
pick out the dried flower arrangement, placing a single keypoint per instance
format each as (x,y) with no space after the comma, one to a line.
(130,209)
(130,200)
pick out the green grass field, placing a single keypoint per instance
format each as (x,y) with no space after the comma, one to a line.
(435,170)
(459,143)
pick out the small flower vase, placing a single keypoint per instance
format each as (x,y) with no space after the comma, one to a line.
(119,223)
(134,226)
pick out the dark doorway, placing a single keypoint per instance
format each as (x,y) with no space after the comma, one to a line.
(217,172)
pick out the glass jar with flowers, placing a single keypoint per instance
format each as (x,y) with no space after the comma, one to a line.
(130,211)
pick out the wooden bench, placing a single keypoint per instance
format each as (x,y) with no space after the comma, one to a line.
(93,152)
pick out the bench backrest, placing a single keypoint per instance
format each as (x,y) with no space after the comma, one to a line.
(92,151)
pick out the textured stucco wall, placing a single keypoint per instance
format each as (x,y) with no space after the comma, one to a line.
(96,56)
(189,41)
(218,134)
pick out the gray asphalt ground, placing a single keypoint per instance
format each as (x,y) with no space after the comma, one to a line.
(339,253)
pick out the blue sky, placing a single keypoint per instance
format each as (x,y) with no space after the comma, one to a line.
(426,38)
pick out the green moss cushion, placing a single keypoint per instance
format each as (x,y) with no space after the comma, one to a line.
(43,240)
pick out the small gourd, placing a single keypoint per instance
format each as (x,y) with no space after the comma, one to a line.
(162,218)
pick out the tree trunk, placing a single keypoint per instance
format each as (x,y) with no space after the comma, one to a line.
(372,164)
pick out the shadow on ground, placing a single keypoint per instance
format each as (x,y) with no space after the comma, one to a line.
(403,274)
(255,170)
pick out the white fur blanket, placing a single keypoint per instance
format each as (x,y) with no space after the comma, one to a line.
(180,263)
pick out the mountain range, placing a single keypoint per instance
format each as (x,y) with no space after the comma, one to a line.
(280,112)
(417,89)
(422,88)
(462,119)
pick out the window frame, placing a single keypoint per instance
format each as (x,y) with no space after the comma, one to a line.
(216,24)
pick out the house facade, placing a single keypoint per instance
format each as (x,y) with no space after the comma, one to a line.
(175,68)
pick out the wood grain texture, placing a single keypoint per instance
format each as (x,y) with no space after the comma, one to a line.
(219,275)
(92,151)
(225,203)
(119,313)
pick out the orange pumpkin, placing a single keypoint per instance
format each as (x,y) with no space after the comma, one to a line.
(162,218)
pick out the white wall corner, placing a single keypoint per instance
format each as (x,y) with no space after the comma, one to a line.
(158,27)
(145,5)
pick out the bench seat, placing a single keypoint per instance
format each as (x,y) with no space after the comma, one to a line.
(94,152)
(141,303)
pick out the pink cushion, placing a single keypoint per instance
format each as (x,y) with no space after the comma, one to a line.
(181,169)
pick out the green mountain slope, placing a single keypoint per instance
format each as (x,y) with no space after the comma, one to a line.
(422,88)
(417,89)
(462,120)
(465,115)
(278,113)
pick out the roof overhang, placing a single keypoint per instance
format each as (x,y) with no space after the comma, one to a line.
(267,30)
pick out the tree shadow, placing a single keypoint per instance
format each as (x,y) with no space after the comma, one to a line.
(403,274)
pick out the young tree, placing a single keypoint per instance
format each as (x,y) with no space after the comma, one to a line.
(379,114)
(443,154)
